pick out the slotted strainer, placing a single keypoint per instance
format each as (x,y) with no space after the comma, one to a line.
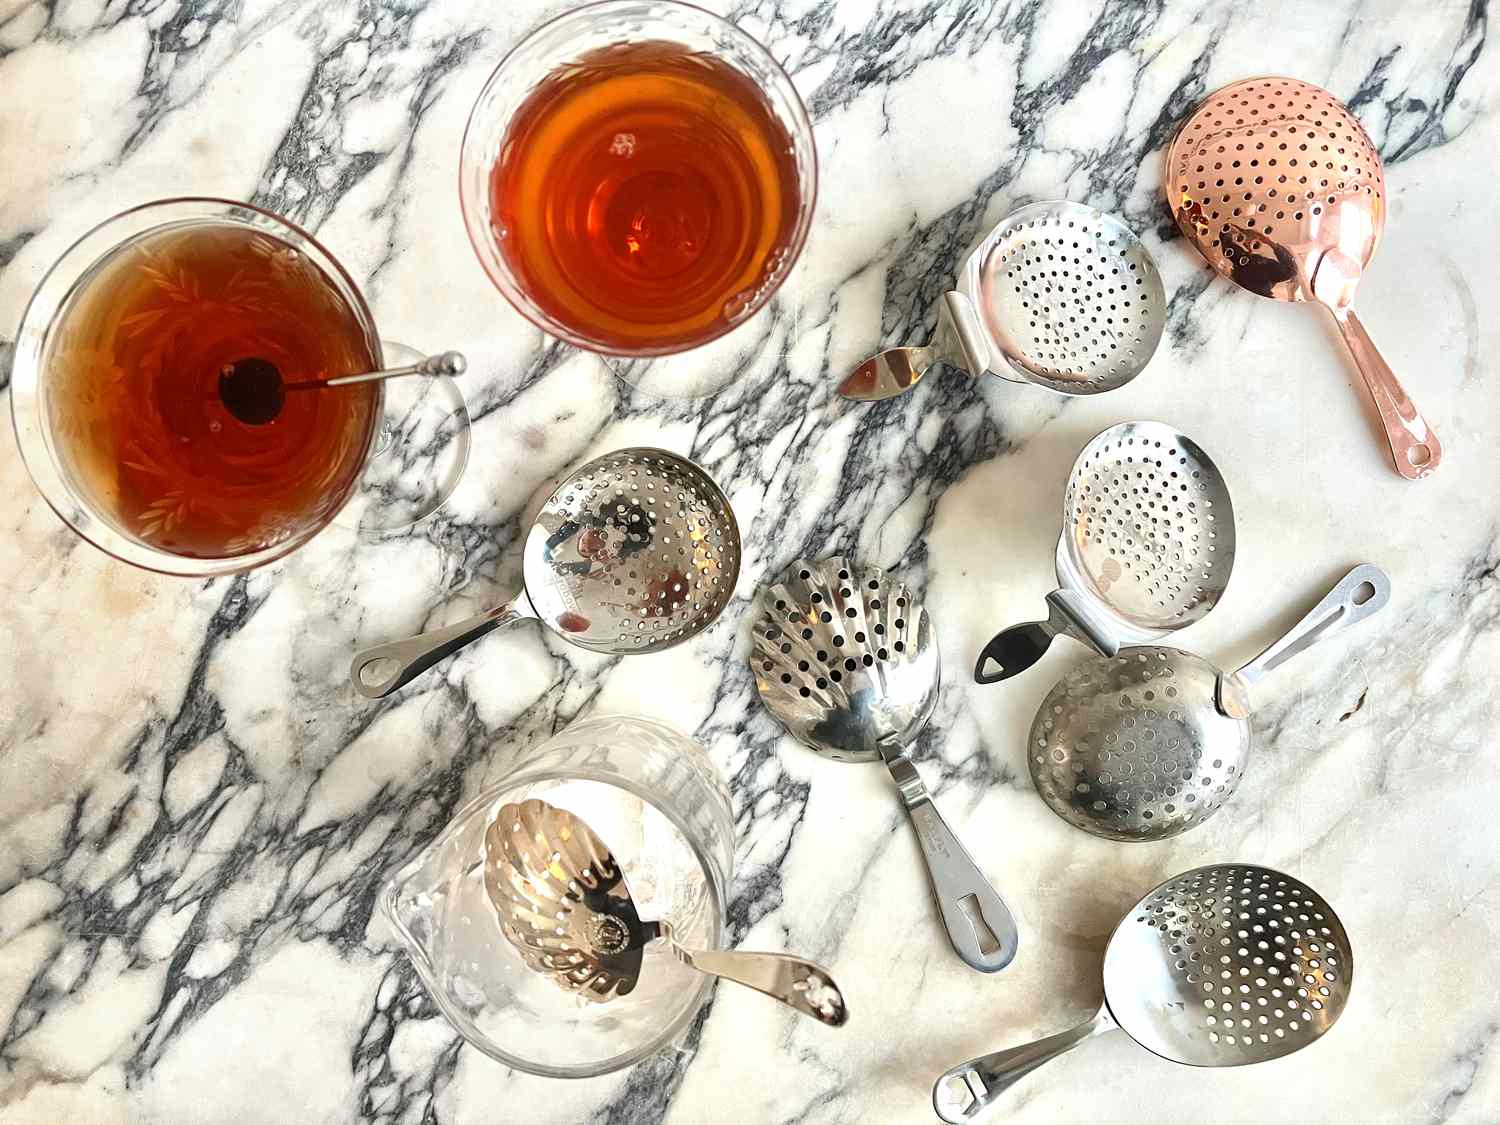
(562,901)
(1153,741)
(1220,966)
(1058,294)
(1146,548)
(1278,186)
(635,551)
(846,660)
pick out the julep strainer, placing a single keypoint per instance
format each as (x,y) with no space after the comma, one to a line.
(1146,548)
(562,901)
(1058,294)
(846,659)
(1153,741)
(635,551)
(1220,966)
(1278,186)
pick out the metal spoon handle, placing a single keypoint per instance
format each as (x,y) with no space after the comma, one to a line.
(1415,448)
(1363,591)
(980,925)
(961,1093)
(378,671)
(442,363)
(803,985)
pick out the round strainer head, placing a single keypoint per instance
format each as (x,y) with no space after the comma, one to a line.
(1266,175)
(1069,296)
(1227,965)
(635,551)
(1133,748)
(1148,526)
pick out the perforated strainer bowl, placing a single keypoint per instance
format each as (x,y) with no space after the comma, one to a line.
(1280,188)
(1153,741)
(636,551)
(1147,547)
(1058,294)
(1220,966)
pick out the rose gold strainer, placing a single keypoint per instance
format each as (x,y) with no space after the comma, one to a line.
(1278,186)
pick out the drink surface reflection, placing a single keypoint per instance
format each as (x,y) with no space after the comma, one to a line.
(646,195)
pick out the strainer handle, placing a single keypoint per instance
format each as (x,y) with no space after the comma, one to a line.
(802,985)
(963,1092)
(1415,447)
(378,671)
(980,926)
(1017,648)
(1363,591)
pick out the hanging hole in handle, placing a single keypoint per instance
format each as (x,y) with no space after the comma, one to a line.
(974,915)
(374,673)
(1362,593)
(1418,455)
(962,1094)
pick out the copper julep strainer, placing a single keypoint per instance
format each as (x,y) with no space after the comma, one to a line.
(1278,186)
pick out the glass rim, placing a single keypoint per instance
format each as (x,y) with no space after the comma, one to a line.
(39,320)
(475,211)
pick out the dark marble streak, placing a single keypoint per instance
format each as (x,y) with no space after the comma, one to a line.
(298,186)
(870,483)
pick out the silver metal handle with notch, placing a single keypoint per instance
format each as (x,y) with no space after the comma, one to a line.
(961,1093)
(378,671)
(1365,590)
(980,925)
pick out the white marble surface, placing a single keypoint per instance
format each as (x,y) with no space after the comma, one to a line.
(196,811)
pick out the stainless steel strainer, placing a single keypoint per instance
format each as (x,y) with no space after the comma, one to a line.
(562,901)
(635,551)
(1153,741)
(847,661)
(1221,966)
(1146,548)
(1058,294)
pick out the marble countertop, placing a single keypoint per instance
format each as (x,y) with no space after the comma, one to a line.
(196,811)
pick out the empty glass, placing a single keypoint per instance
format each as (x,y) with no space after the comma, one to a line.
(653,796)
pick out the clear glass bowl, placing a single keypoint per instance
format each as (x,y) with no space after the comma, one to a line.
(563,41)
(653,796)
